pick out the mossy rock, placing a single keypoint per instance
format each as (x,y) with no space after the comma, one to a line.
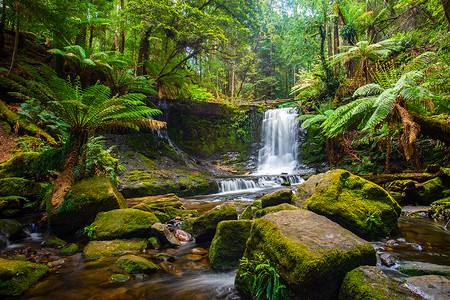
(155,202)
(15,186)
(432,190)
(82,204)
(98,249)
(133,264)
(52,241)
(32,165)
(430,286)
(228,245)
(368,282)
(273,209)
(204,227)
(164,235)
(248,213)
(276,198)
(11,206)
(11,229)
(421,268)
(353,202)
(120,277)
(16,276)
(69,250)
(257,203)
(123,223)
(310,253)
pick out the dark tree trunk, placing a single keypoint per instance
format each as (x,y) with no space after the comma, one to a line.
(446,5)
(2,26)
(16,43)
(122,32)
(143,51)
(434,128)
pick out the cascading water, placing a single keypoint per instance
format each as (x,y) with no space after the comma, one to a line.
(280,140)
(277,159)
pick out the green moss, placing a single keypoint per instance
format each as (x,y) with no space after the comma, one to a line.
(257,203)
(204,227)
(10,228)
(277,197)
(273,209)
(11,206)
(356,204)
(123,223)
(17,276)
(21,187)
(432,190)
(148,162)
(248,213)
(98,249)
(228,245)
(420,269)
(52,241)
(133,264)
(69,249)
(120,277)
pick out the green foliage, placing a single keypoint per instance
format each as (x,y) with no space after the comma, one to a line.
(266,282)
(89,231)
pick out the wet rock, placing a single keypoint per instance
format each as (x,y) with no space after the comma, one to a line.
(123,223)
(198,251)
(248,213)
(421,268)
(17,276)
(182,235)
(120,277)
(276,198)
(150,203)
(10,230)
(171,268)
(21,187)
(55,263)
(310,253)
(431,191)
(163,257)
(367,282)
(52,241)
(82,203)
(132,264)
(273,209)
(193,257)
(11,206)
(387,259)
(69,250)
(228,245)
(98,249)
(154,243)
(164,235)
(356,204)
(204,227)
(430,286)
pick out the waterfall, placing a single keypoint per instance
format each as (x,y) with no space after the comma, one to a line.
(256,183)
(280,142)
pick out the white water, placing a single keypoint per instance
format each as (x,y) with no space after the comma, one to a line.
(256,183)
(280,142)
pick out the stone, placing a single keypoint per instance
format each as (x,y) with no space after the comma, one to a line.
(311,253)
(123,223)
(430,286)
(422,268)
(276,198)
(228,245)
(431,191)
(17,276)
(198,251)
(356,204)
(163,257)
(11,229)
(69,250)
(82,203)
(120,277)
(133,264)
(387,259)
(21,187)
(193,257)
(171,268)
(52,241)
(154,243)
(164,235)
(182,235)
(11,206)
(273,209)
(369,282)
(248,213)
(155,202)
(98,249)
(204,227)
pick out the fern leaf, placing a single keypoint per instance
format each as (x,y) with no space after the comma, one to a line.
(368,90)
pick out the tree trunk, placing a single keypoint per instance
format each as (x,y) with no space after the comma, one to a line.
(143,51)
(16,43)
(2,26)
(233,74)
(438,129)
(446,5)
(66,178)
(388,152)
(122,32)
(336,42)
(91,36)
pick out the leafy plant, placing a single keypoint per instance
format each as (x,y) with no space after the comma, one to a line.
(89,231)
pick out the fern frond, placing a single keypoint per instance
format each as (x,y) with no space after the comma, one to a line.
(368,90)
(383,106)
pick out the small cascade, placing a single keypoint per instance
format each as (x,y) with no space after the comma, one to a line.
(280,142)
(255,183)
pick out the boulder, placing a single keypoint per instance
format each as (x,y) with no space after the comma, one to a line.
(11,206)
(228,245)
(98,249)
(132,264)
(155,202)
(278,197)
(356,204)
(17,276)
(52,241)
(311,253)
(171,268)
(248,213)
(204,227)
(69,249)
(368,282)
(273,209)
(430,286)
(82,204)
(164,235)
(431,191)
(120,277)
(11,229)
(21,187)
(123,223)
(421,268)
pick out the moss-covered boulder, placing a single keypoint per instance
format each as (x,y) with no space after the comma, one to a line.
(10,230)
(228,245)
(248,213)
(204,227)
(353,202)
(82,204)
(431,191)
(98,249)
(310,253)
(276,198)
(273,209)
(15,186)
(368,282)
(132,264)
(421,268)
(16,276)
(11,206)
(32,165)
(123,223)
(69,249)
(52,241)
(155,202)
